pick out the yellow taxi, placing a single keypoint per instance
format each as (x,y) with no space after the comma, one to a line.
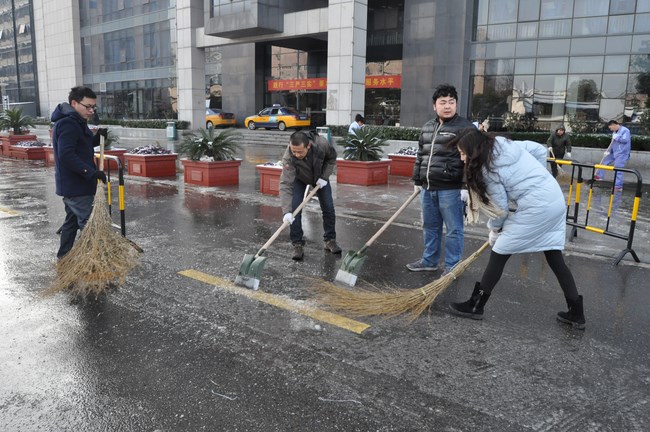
(215,117)
(278,117)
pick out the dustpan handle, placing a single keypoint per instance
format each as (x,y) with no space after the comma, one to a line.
(285,223)
(390,221)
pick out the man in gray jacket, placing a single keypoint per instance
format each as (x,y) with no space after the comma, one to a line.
(438,173)
(308,160)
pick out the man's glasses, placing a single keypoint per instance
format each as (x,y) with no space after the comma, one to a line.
(88,107)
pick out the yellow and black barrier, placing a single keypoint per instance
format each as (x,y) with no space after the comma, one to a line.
(576,183)
(110,159)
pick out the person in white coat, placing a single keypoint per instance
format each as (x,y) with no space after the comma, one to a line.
(498,172)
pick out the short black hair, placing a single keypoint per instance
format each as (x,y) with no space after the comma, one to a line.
(445,90)
(299,138)
(80,92)
(360,118)
(611,122)
(560,128)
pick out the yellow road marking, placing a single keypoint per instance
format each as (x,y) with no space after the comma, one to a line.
(9,211)
(280,302)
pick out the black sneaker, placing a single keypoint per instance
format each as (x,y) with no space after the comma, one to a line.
(419,266)
(298,253)
(331,246)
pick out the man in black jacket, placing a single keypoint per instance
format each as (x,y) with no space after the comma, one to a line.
(438,174)
(75,173)
(559,144)
(308,160)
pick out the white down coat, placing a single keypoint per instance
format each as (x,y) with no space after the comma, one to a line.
(520,176)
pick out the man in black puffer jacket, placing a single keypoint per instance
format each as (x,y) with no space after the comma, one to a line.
(438,173)
(75,173)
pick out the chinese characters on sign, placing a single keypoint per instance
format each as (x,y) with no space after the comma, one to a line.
(379,81)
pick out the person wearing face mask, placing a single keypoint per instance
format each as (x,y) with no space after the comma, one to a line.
(309,160)
(438,175)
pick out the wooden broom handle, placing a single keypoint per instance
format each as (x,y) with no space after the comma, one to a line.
(392,218)
(285,223)
(101,152)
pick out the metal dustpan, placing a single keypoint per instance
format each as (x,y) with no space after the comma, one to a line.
(252,265)
(353,261)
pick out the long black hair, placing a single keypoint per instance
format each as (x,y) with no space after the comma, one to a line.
(479,152)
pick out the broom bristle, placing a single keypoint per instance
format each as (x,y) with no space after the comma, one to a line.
(100,256)
(363,302)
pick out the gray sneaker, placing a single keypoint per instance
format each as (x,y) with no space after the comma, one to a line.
(418,266)
(298,253)
(330,245)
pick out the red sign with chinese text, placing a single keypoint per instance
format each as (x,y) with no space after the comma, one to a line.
(378,81)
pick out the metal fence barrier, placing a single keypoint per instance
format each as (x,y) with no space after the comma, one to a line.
(576,183)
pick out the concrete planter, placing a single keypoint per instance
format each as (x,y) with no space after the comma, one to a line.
(49,155)
(27,153)
(362,173)
(269,179)
(211,173)
(401,165)
(11,139)
(154,165)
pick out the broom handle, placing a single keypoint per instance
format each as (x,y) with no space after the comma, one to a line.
(101,152)
(285,223)
(389,221)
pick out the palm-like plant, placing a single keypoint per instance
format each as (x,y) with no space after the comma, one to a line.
(207,142)
(364,144)
(14,120)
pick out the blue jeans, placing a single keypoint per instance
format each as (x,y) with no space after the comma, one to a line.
(326,205)
(77,212)
(438,207)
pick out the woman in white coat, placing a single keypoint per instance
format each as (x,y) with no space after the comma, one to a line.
(499,171)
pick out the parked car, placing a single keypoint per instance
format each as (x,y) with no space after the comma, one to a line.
(278,117)
(216,117)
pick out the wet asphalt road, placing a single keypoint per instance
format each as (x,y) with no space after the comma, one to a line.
(166,352)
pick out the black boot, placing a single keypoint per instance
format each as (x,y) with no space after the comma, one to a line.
(472,308)
(575,316)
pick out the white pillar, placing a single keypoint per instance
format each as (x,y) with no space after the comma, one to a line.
(190,69)
(346,60)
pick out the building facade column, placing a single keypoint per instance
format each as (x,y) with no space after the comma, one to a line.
(58,51)
(190,67)
(346,60)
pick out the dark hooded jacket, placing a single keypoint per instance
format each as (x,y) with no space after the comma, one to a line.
(74,157)
(438,167)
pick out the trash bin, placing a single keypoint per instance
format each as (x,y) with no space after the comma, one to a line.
(325,133)
(171,131)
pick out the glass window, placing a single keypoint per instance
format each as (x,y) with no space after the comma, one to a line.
(640,63)
(526,49)
(589,26)
(553,9)
(502,11)
(586,8)
(482,13)
(555,28)
(622,7)
(620,24)
(557,47)
(611,108)
(583,88)
(528,10)
(642,23)
(478,51)
(580,65)
(525,66)
(500,50)
(619,63)
(500,67)
(641,44)
(557,65)
(502,32)
(642,6)
(481,34)
(527,30)
(614,86)
(618,44)
(549,95)
(586,46)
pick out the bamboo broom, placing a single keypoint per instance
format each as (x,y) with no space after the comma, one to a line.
(100,257)
(363,302)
